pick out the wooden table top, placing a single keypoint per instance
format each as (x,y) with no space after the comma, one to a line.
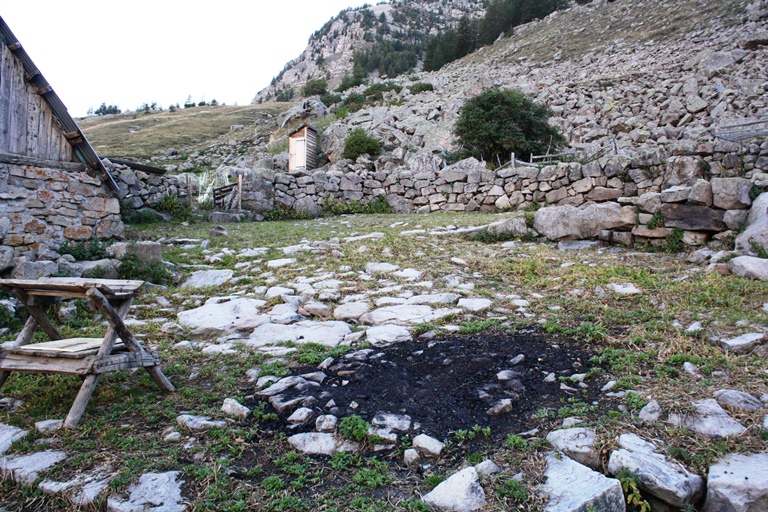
(70,286)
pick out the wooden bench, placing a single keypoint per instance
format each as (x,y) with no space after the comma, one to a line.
(87,357)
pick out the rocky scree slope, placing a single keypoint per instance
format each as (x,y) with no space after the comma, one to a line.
(330,51)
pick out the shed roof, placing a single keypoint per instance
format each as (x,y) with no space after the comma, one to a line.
(71,131)
(305,125)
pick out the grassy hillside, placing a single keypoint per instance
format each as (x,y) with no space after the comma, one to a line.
(143,135)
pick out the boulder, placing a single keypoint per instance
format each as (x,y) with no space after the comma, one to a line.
(351,311)
(25,469)
(731,193)
(317,443)
(6,259)
(744,343)
(655,473)
(154,491)
(738,400)
(309,108)
(577,443)
(738,483)
(573,487)
(329,334)
(232,407)
(754,40)
(692,218)
(568,222)
(756,231)
(383,335)
(34,269)
(427,446)
(749,267)
(461,492)
(683,170)
(399,204)
(402,314)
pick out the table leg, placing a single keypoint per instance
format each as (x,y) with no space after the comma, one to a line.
(24,338)
(39,314)
(83,396)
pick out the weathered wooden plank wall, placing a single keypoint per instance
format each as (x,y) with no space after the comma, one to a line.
(27,126)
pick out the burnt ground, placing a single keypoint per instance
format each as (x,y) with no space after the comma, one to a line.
(449,383)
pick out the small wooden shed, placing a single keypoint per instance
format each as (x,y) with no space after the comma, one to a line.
(302,148)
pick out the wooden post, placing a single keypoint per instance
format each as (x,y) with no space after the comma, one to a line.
(38,313)
(24,338)
(240,192)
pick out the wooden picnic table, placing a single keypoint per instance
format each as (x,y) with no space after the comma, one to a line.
(87,357)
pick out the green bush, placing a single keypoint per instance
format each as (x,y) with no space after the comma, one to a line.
(421,87)
(376,91)
(317,87)
(350,81)
(330,99)
(354,102)
(134,268)
(359,143)
(499,122)
(87,250)
(354,428)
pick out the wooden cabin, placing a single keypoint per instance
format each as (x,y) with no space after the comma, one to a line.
(302,148)
(35,126)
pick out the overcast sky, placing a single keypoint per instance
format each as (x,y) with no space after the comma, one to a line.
(128,53)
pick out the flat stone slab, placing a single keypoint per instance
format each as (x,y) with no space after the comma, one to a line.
(624,288)
(9,435)
(320,443)
(475,305)
(329,334)
(461,492)
(206,278)
(380,268)
(749,267)
(577,443)
(435,298)
(351,311)
(744,343)
(234,315)
(199,422)
(655,473)
(283,262)
(709,419)
(83,490)
(383,335)
(573,487)
(737,400)
(738,482)
(160,492)
(26,468)
(402,314)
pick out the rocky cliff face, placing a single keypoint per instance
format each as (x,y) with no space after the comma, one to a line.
(330,51)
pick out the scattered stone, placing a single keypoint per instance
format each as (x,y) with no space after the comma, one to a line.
(232,407)
(329,334)
(219,231)
(278,291)
(208,278)
(461,492)
(173,437)
(578,245)
(314,443)
(577,443)
(517,359)
(216,318)
(411,458)
(573,487)
(709,419)
(351,311)
(9,435)
(398,422)
(651,412)
(571,422)
(155,491)
(502,407)
(283,262)
(625,288)
(427,446)
(655,473)
(301,416)
(438,298)
(317,309)
(475,305)
(326,423)
(382,335)
(744,343)
(380,268)
(48,426)
(737,400)
(487,468)
(738,483)
(198,422)
(403,314)
(25,469)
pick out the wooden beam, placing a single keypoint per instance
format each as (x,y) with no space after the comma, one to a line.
(39,314)
(14,46)
(13,159)
(29,363)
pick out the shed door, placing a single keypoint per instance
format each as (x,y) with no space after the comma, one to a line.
(297,156)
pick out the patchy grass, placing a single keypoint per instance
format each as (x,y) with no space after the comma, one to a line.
(640,342)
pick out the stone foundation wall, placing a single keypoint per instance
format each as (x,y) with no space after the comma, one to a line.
(43,207)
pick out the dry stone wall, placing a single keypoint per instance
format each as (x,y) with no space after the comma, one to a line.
(43,207)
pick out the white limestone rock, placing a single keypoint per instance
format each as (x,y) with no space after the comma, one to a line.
(329,334)
(199,422)
(214,319)
(316,443)
(48,426)
(207,278)
(408,315)
(25,469)
(326,423)
(737,400)
(427,446)
(383,335)
(380,268)
(436,298)
(461,492)
(232,407)
(475,305)
(578,444)
(351,311)
(9,435)
(709,419)
(283,262)
(573,487)
(655,473)
(651,412)
(154,491)
(743,344)
(738,483)
(749,267)
(625,288)
(398,422)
